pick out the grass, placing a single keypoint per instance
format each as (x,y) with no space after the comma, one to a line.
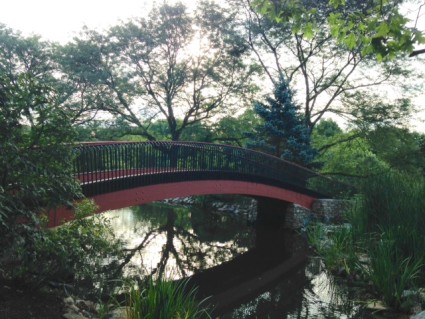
(161,299)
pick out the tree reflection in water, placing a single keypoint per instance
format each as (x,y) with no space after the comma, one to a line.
(178,241)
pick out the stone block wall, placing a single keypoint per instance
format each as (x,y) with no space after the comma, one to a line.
(328,211)
(331,210)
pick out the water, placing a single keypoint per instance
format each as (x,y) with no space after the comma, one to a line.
(307,292)
(178,241)
(253,272)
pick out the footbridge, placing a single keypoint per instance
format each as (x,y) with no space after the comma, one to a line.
(123,174)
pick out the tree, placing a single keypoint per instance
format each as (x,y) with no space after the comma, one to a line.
(34,130)
(88,79)
(378,25)
(35,143)
(367,111)
(106,130)
(355,154)
(171,65)
(231,129)
(301,46)
(327,128)
(36,175)
(400,149)
(198,132)
(284,132)
(189,238)
(350,158)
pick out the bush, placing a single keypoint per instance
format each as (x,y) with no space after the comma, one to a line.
(76,251)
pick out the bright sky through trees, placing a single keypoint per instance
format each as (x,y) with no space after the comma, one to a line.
(61,20)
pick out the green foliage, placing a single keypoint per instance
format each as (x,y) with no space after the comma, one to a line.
(105,130)
(394,202)
(391,272)
(385,242)
(75,252)
(336,246)
(231,130)
(36,173)
(327,128)
(172,67)
(320,48)
(35,147)
(369,111)
(347,156)
(401,149)
(378,26)
(353,158)
(357,220)
(161,299)
(354,155)
(197,132)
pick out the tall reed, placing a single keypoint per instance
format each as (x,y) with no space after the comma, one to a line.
(336,246)
(393,210)
(396,202)
(387,231)
(162,299)
(391,272)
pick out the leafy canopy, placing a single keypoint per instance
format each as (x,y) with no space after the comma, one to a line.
(376,24)
(35,144)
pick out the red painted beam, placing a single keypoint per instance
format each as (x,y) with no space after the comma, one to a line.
(148,194)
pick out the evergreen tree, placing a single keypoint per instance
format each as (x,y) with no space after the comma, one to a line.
(283,133)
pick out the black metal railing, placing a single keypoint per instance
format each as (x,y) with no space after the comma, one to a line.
(111,166)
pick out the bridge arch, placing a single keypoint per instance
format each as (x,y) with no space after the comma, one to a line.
(122,174)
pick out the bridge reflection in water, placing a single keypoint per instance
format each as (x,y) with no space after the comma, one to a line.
(251,270)
(123,174)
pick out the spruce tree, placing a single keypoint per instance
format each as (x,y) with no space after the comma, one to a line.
(283,133)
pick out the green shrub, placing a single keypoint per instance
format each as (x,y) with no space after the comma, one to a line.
(75,252)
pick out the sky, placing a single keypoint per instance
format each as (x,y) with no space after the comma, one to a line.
(61,20)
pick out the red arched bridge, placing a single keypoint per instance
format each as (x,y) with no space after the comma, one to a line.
(123,174)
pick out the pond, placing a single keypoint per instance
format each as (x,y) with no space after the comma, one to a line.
(250,271)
